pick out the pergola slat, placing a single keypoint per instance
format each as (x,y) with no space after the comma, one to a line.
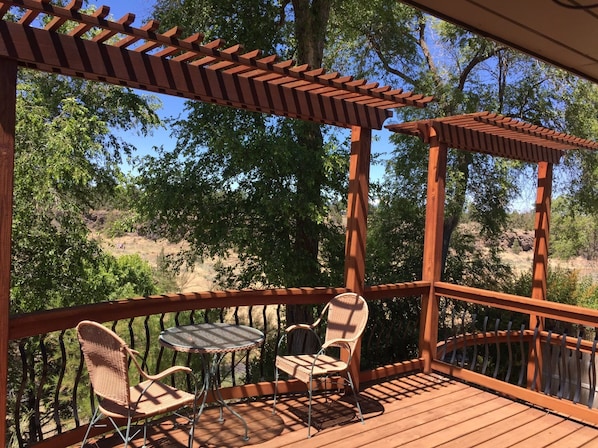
(162,62)
(499,136)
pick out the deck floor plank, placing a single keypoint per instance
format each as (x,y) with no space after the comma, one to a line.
(411,411)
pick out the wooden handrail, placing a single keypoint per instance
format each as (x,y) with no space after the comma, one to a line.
(510,302)
(41,322)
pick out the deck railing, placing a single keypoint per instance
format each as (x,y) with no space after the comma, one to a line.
(549,365)
(50,401)
(486,338)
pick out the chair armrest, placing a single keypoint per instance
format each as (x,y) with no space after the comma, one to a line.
(299,327)
(169,371)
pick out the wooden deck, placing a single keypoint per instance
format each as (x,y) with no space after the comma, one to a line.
(417,410)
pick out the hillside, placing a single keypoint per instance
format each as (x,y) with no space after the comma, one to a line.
(517,246)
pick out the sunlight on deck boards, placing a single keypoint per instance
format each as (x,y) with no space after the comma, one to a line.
(416,410)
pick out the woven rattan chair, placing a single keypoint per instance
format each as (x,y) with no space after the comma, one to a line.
(345,322)
(106,356)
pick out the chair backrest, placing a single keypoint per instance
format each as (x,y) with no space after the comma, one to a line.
(106,356)
(347,318)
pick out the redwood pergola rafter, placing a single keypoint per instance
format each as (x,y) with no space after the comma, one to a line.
(497,135)
(97,48)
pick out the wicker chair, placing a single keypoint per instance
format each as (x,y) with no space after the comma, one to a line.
(106,356)
(346,320)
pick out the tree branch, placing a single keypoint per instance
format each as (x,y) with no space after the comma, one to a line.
(376,47)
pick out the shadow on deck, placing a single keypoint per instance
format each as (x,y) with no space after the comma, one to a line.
(415,410)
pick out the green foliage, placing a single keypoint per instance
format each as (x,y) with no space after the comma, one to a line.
(236,189)
(165,274)
(574,232)
(66,160)
(522,220)
(121,224)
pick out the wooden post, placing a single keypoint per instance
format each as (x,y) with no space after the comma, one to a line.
(432,261)
(357,215)
(540,262)
(8,98)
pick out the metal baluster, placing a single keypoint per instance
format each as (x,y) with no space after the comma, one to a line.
(535,350)
(41,386)
(562,365)
(592,371)
(510,363)
(148,336)
(21,391)
(263,346)
(63,361)
(578,359)
(486,348)
(161,351)
(247,363)
(474,319)
(279,328)
(522,350)
(442,321)
(74,402)
(454,353)
(497,344)
(464,356)
(548,387)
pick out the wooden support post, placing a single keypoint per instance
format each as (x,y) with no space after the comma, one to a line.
(357,215)
(432,260)
(540,262)
(8,98)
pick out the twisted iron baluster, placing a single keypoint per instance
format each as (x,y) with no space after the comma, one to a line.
(486,348)
(464,356)
(63,361)
(161,351)
(578,359)
(454,353)
(21,391)
(148,336)
(474,319)
(548,387)
(562,365)
(522,350)
(535,350)
(78,377)
(510,363)
(497,344)
(592,371)
(40,387)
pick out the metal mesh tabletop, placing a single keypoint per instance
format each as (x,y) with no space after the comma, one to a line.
(211,338)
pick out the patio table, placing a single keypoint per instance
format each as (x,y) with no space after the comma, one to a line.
(212,341)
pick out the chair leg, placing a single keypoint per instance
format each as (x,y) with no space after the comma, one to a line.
(276,373)
(355,395)
(311,393)
(192,429)
(145,433)
(96,416)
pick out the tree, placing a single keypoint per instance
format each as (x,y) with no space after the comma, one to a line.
(66,160)
(260,186)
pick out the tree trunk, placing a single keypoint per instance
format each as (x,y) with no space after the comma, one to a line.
(311,20)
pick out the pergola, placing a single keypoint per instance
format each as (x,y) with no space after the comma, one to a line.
(499,136)
(99,49)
